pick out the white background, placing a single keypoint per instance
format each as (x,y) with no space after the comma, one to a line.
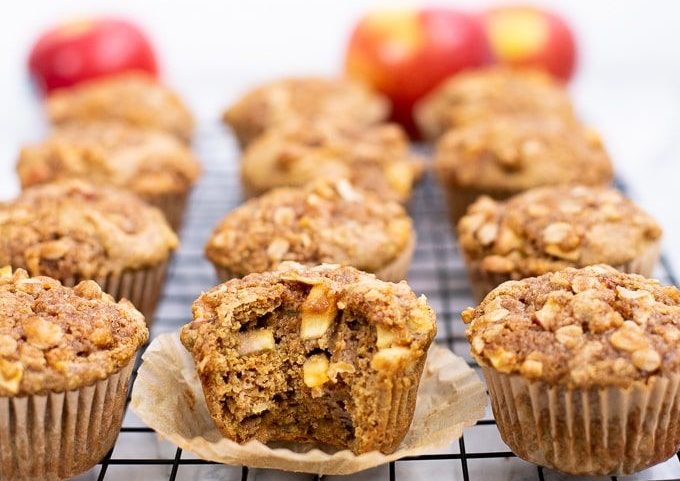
(628,84)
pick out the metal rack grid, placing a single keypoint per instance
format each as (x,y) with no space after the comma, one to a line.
(437,272)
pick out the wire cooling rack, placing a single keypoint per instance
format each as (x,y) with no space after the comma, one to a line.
(437,272)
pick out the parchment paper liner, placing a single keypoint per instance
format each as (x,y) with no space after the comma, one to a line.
(450,397)
(173,205)
(596,431)
(59,435)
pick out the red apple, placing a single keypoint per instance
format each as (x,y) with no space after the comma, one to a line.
(70,53)
(523,36)
(406,53)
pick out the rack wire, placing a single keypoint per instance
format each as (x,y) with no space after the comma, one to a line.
(437,272)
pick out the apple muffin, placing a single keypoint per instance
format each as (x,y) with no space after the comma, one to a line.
(304,98)
(66,356)
(485,94)
(152,164)
(549,228)
(326,355)
(502,157)
(133,98)
(375,158)
(326,221)
(73,231)
(583,368)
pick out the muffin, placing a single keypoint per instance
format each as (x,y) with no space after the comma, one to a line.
(583,368)
(74,231)
(133,98)
(326,355)
(326,221)
(375,158)
(152,164)
(304,98)
(66,356)
(549,228)
(481,95)
(502,157)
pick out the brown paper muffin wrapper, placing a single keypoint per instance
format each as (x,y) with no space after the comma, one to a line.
(590,431)
(450,397)
(142,287)
(60,435)
(172,204)
(483,282)
(458,199)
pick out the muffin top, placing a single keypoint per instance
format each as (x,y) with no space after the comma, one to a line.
(484,94)
(579,327)
(549,228)
(72,228)
(308,98)
(111,153)
(134,98)
(325,221)
(375,158)
(513,154)
(54,338)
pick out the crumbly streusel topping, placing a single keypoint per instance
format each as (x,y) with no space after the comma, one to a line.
(111,153)
(72,228)
(375,158)
(134,98)
(325,221)
(512,154)
(579,327)
(549,228)
(54,338)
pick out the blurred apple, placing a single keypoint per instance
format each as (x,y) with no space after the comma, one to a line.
(523,36)
(72,52)
(406,53)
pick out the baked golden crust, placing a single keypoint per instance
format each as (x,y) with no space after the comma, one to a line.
(515,154)
(579,327)
(481,95)
(54,338)
(133,98)
(547,229)
(145,161)
(304,98)
(72,228)
(326,354)
(375,158)
(324,221)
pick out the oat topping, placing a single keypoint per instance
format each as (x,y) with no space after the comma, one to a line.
(110,153)
(54,338)
(133,98)
(579,327)
(71,228)
(546,229)
(325,221)
(513,154)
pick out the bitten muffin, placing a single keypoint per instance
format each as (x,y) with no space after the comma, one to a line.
(583,368)
(326,355)
(154,165)
(73,231)
(304,98)
(325,221)
(481,95)
(547,229)
(133,98)
(66,356)
(375,158)
(502,157)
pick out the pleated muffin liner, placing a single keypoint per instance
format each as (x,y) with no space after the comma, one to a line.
(589,431)
(142,287)
(173,205)
(59,435)
(458,199)
(449,398)
(482,282)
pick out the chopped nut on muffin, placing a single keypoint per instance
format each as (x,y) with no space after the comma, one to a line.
(326,355)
